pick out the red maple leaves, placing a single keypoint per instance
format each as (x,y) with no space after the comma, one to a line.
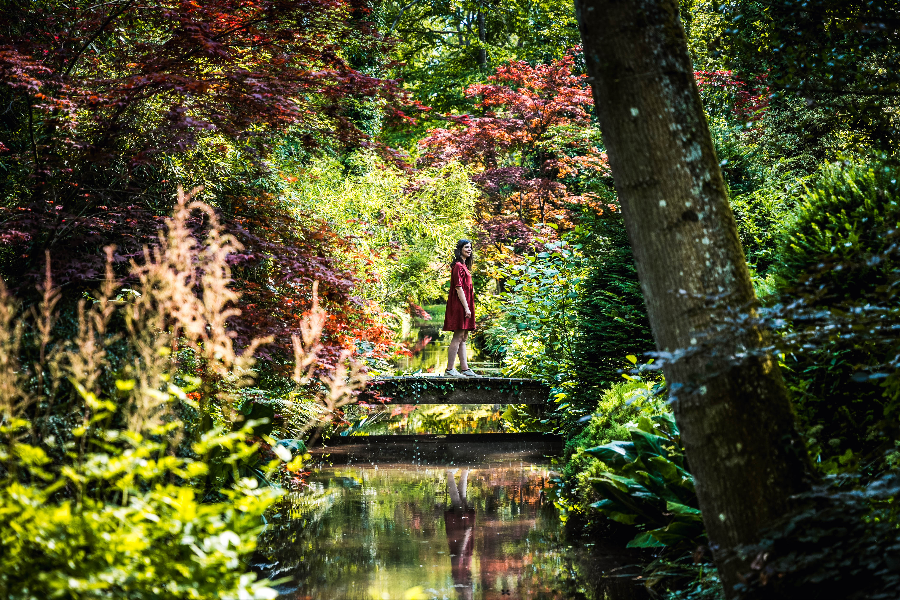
(106,101)
(532,142)
(750,96)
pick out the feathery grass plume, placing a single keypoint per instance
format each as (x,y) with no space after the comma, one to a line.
(47,366)
(339,385)
(12,392)
(112,504)
(185,302)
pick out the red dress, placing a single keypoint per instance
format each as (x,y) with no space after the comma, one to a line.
(455,317)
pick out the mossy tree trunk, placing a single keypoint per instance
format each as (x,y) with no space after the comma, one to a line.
(730,403)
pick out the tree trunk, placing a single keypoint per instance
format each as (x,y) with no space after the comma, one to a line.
(730,402)
(482,52)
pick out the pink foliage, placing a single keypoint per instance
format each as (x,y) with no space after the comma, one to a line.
(751,97)
(517,145)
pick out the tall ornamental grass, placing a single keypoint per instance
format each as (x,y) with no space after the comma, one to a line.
(138,488)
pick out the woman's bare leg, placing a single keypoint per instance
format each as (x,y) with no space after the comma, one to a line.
(453,350)
(461,351)
(455,500)
(463,484)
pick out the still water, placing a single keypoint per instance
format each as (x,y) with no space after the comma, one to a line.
(477,524)
(429,532)
(420,532)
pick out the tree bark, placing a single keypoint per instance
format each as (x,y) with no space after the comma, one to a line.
(482,52)
(736,421)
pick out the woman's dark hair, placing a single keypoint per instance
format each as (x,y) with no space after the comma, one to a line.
(457,254)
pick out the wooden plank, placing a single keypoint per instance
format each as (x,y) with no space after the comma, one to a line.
(447,390)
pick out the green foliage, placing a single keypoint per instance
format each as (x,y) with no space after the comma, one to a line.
(444,46)
(845,217)
(124,519)
(647,485)
(761,216)
(570,315)
(626,470)
(825,54)
(401,228)
(843,542)
(619,407)
(126,469)
(537,332)
(836,257)
(611,317)
(427,418)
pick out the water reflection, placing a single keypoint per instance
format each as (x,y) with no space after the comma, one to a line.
(408,532)
(459,522)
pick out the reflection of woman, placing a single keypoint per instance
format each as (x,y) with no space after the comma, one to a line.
(460,315)
(459,521)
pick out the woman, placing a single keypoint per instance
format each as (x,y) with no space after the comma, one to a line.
(460,315)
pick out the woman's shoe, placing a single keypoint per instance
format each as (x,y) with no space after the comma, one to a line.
(470,373)
(453,373)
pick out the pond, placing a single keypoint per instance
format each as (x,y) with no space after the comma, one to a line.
(407,531)
(435,515)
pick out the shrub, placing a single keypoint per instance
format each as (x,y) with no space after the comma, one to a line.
(536,332)
(125,518)
(761,215)
(844,221)
(648,485)
(627,473)
(144,489)
(611,319)
(836,272)
(843,543)
(620,406)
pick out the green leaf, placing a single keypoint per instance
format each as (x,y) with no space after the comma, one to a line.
(620,517)
(678,531)
(683,511)
(647,444)
(666,468)
(615,454)
(644,540)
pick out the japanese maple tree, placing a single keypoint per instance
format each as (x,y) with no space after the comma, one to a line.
(533,143)
(109,105)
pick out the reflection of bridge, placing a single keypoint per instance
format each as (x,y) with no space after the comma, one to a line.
(437,449)
(447,390)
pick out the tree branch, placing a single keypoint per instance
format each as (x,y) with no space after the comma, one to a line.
(400,15)
(112,17)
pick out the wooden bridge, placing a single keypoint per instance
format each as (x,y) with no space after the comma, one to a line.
(455,449)
(430,448)
(456,390)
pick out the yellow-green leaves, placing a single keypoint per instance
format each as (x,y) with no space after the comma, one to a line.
(122,520)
